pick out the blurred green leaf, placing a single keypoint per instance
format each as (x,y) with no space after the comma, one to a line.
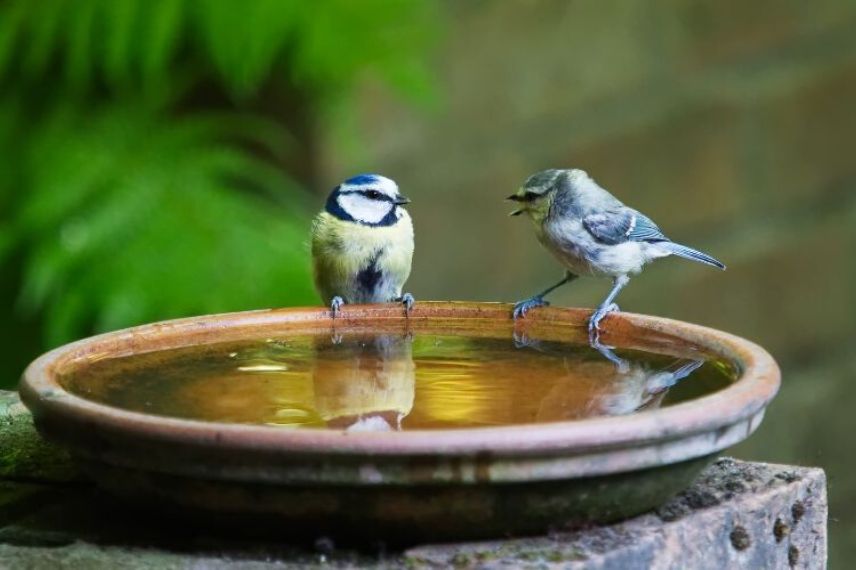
(41,34)
(119,34)
(151,225)
(245,44)
(161,25)
(6,241)
(341,39)
(79,57)
(11,28)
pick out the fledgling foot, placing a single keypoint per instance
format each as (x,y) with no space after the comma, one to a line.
(407,300)
(522,340)
(336,305)
(597,316)
(621,365)
(522,307)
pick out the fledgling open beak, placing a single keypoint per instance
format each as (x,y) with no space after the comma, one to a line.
(401,200)
(516,198)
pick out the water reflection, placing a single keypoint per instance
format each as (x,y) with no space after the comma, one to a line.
(364,383)
(622,386)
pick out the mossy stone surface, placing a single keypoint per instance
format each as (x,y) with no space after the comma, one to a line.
(24,455)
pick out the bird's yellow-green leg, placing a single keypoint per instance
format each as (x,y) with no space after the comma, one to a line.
(522,307)
(336,305)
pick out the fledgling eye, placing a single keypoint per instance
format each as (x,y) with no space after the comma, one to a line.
(373,194)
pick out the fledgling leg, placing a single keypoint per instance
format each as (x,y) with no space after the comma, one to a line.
(621,365)
(522,340)
(335,305)
(522,307)
(407,300)
(608,306)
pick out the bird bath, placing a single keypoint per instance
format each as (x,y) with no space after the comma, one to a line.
(453,423)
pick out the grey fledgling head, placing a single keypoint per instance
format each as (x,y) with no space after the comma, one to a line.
(537,193)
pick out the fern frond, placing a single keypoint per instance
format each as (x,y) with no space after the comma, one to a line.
(153,201)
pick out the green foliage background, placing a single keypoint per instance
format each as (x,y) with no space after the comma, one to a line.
(148,165)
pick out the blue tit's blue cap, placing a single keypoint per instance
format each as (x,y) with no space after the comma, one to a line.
(361,179)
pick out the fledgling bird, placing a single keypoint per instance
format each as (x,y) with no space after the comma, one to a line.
(592,233)
(362,244)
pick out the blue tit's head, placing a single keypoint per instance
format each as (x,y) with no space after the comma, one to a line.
(369,199)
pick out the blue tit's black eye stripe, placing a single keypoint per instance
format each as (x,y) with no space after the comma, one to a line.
(375,195)
(370,194)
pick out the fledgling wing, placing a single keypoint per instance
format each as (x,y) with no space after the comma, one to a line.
(621,225)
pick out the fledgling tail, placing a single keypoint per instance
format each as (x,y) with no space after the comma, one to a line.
(690,253)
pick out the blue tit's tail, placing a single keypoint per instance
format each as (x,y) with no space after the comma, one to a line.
(690,253)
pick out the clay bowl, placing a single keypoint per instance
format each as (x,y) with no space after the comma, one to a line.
(412,485)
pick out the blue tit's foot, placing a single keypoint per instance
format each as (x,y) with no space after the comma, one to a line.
(522,307)
(597,316)
(336,305)
(336,339)
(407,300)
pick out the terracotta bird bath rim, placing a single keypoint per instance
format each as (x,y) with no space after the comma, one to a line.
(757,383)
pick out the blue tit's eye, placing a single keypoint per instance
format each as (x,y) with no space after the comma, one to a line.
(373,194)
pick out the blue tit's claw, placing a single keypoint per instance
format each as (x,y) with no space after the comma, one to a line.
(336,305)
(408,301)
(522,307)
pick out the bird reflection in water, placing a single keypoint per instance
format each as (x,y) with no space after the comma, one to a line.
(368,381)
(615,386)
(364,383)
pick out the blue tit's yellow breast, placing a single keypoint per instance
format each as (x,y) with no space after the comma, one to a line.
(342,249)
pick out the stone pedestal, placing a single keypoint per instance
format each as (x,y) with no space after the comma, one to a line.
(736,515)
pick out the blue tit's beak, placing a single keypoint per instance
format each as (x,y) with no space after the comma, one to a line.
(401,200)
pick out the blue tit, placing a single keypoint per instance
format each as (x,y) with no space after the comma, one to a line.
(362,244)
(592,233)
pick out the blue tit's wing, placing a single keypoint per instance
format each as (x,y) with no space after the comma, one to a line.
(621,225)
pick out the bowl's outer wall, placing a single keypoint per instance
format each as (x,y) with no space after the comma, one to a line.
(400,514)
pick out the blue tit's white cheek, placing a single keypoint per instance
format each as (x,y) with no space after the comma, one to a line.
(364,209)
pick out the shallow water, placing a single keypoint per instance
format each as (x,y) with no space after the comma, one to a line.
(382,382)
